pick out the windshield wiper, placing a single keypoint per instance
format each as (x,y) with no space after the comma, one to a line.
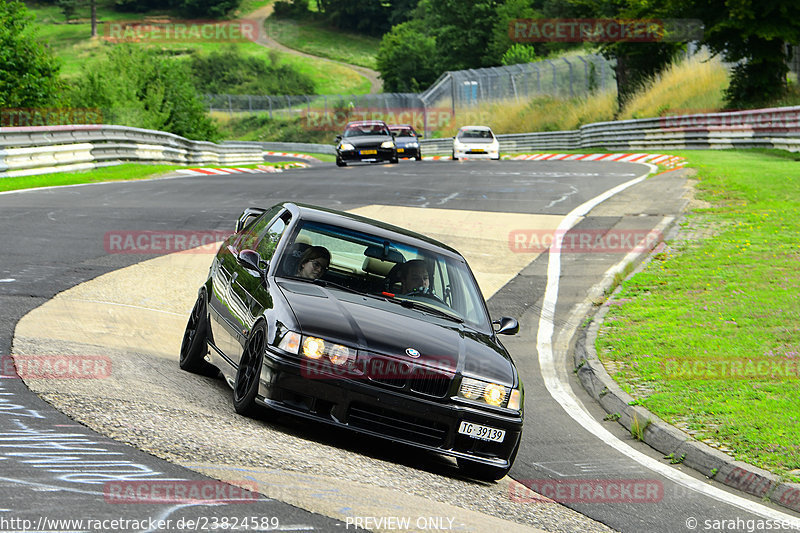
(421,306)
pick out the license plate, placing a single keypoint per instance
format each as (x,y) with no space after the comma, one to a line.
(401,149)
(477,431)
(369,152)
(477,151)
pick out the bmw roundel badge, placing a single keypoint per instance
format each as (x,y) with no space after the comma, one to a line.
(411,352)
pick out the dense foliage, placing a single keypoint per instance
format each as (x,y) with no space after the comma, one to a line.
(751,34)
(230,72)
(136,87)
(28,70)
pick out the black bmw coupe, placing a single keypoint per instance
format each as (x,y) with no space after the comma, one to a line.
(362,325)
(367,141)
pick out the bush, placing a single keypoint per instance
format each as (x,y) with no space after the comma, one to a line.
(139,88)
(230,72)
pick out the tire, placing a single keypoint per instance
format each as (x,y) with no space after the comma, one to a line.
(418,158)
(453,157)
(486,472)
(248,374)
(340,163)
(394,161)
(194,346)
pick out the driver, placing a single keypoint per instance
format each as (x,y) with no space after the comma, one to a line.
(414,277)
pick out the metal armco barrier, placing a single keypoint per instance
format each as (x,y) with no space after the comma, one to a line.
(47,149)
(40,150)
(758,128)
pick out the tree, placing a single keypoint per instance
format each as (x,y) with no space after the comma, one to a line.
(28,70)
(751,33)
(636,62)
(407,58)
(136,87)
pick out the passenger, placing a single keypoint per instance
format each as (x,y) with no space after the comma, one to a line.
(313,263)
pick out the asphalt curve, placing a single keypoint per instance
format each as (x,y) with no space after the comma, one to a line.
(52,247)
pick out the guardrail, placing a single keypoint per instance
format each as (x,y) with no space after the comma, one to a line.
(45,149)
(758,128)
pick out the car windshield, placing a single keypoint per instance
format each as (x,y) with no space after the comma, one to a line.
(424,279)
(475,134)
(403,132)
(361,130)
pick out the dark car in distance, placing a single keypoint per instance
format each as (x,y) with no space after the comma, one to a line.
(368,141)
(407,141)
(352,340)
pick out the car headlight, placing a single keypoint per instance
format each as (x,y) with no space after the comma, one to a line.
(490,393)
(387,144)
(412,145)
(315,348)
(346,147)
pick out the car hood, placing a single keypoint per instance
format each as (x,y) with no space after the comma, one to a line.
(366,140)
(377,326)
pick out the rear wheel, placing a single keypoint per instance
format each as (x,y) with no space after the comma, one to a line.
(248,375)
(194,345)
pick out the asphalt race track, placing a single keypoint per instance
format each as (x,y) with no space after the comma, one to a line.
(169,426)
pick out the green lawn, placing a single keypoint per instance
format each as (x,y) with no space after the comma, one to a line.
(74,47)
(708,335)
(316,39)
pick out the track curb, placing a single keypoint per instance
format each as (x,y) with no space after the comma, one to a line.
(676,445)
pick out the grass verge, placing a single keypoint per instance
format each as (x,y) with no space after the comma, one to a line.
(125,172)
(315,38)
(708,335)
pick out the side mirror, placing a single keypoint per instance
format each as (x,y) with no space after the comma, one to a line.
(506,326)
(248,217)
(338,138)
(251,260)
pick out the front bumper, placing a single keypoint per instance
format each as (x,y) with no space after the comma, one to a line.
(359,405)
(476,153)
(404,151)
(367,155)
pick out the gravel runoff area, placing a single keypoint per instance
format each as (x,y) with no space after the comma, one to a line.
(135,317)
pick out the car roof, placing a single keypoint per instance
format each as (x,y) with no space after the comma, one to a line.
(365,123)
(367,225)
(398,126)
(483,128)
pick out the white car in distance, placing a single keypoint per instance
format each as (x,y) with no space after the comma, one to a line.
(475,142)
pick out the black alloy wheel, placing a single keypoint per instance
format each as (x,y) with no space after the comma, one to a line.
(245,387)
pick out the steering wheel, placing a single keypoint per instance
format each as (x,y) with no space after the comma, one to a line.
(427,293)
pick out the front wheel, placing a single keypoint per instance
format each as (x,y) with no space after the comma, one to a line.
(248,375)
(194,345)
(340,163)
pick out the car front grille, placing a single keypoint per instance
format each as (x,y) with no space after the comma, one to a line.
(403,375)
(398,425)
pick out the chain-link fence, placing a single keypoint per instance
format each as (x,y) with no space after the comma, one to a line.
(452,93)
(566,76)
